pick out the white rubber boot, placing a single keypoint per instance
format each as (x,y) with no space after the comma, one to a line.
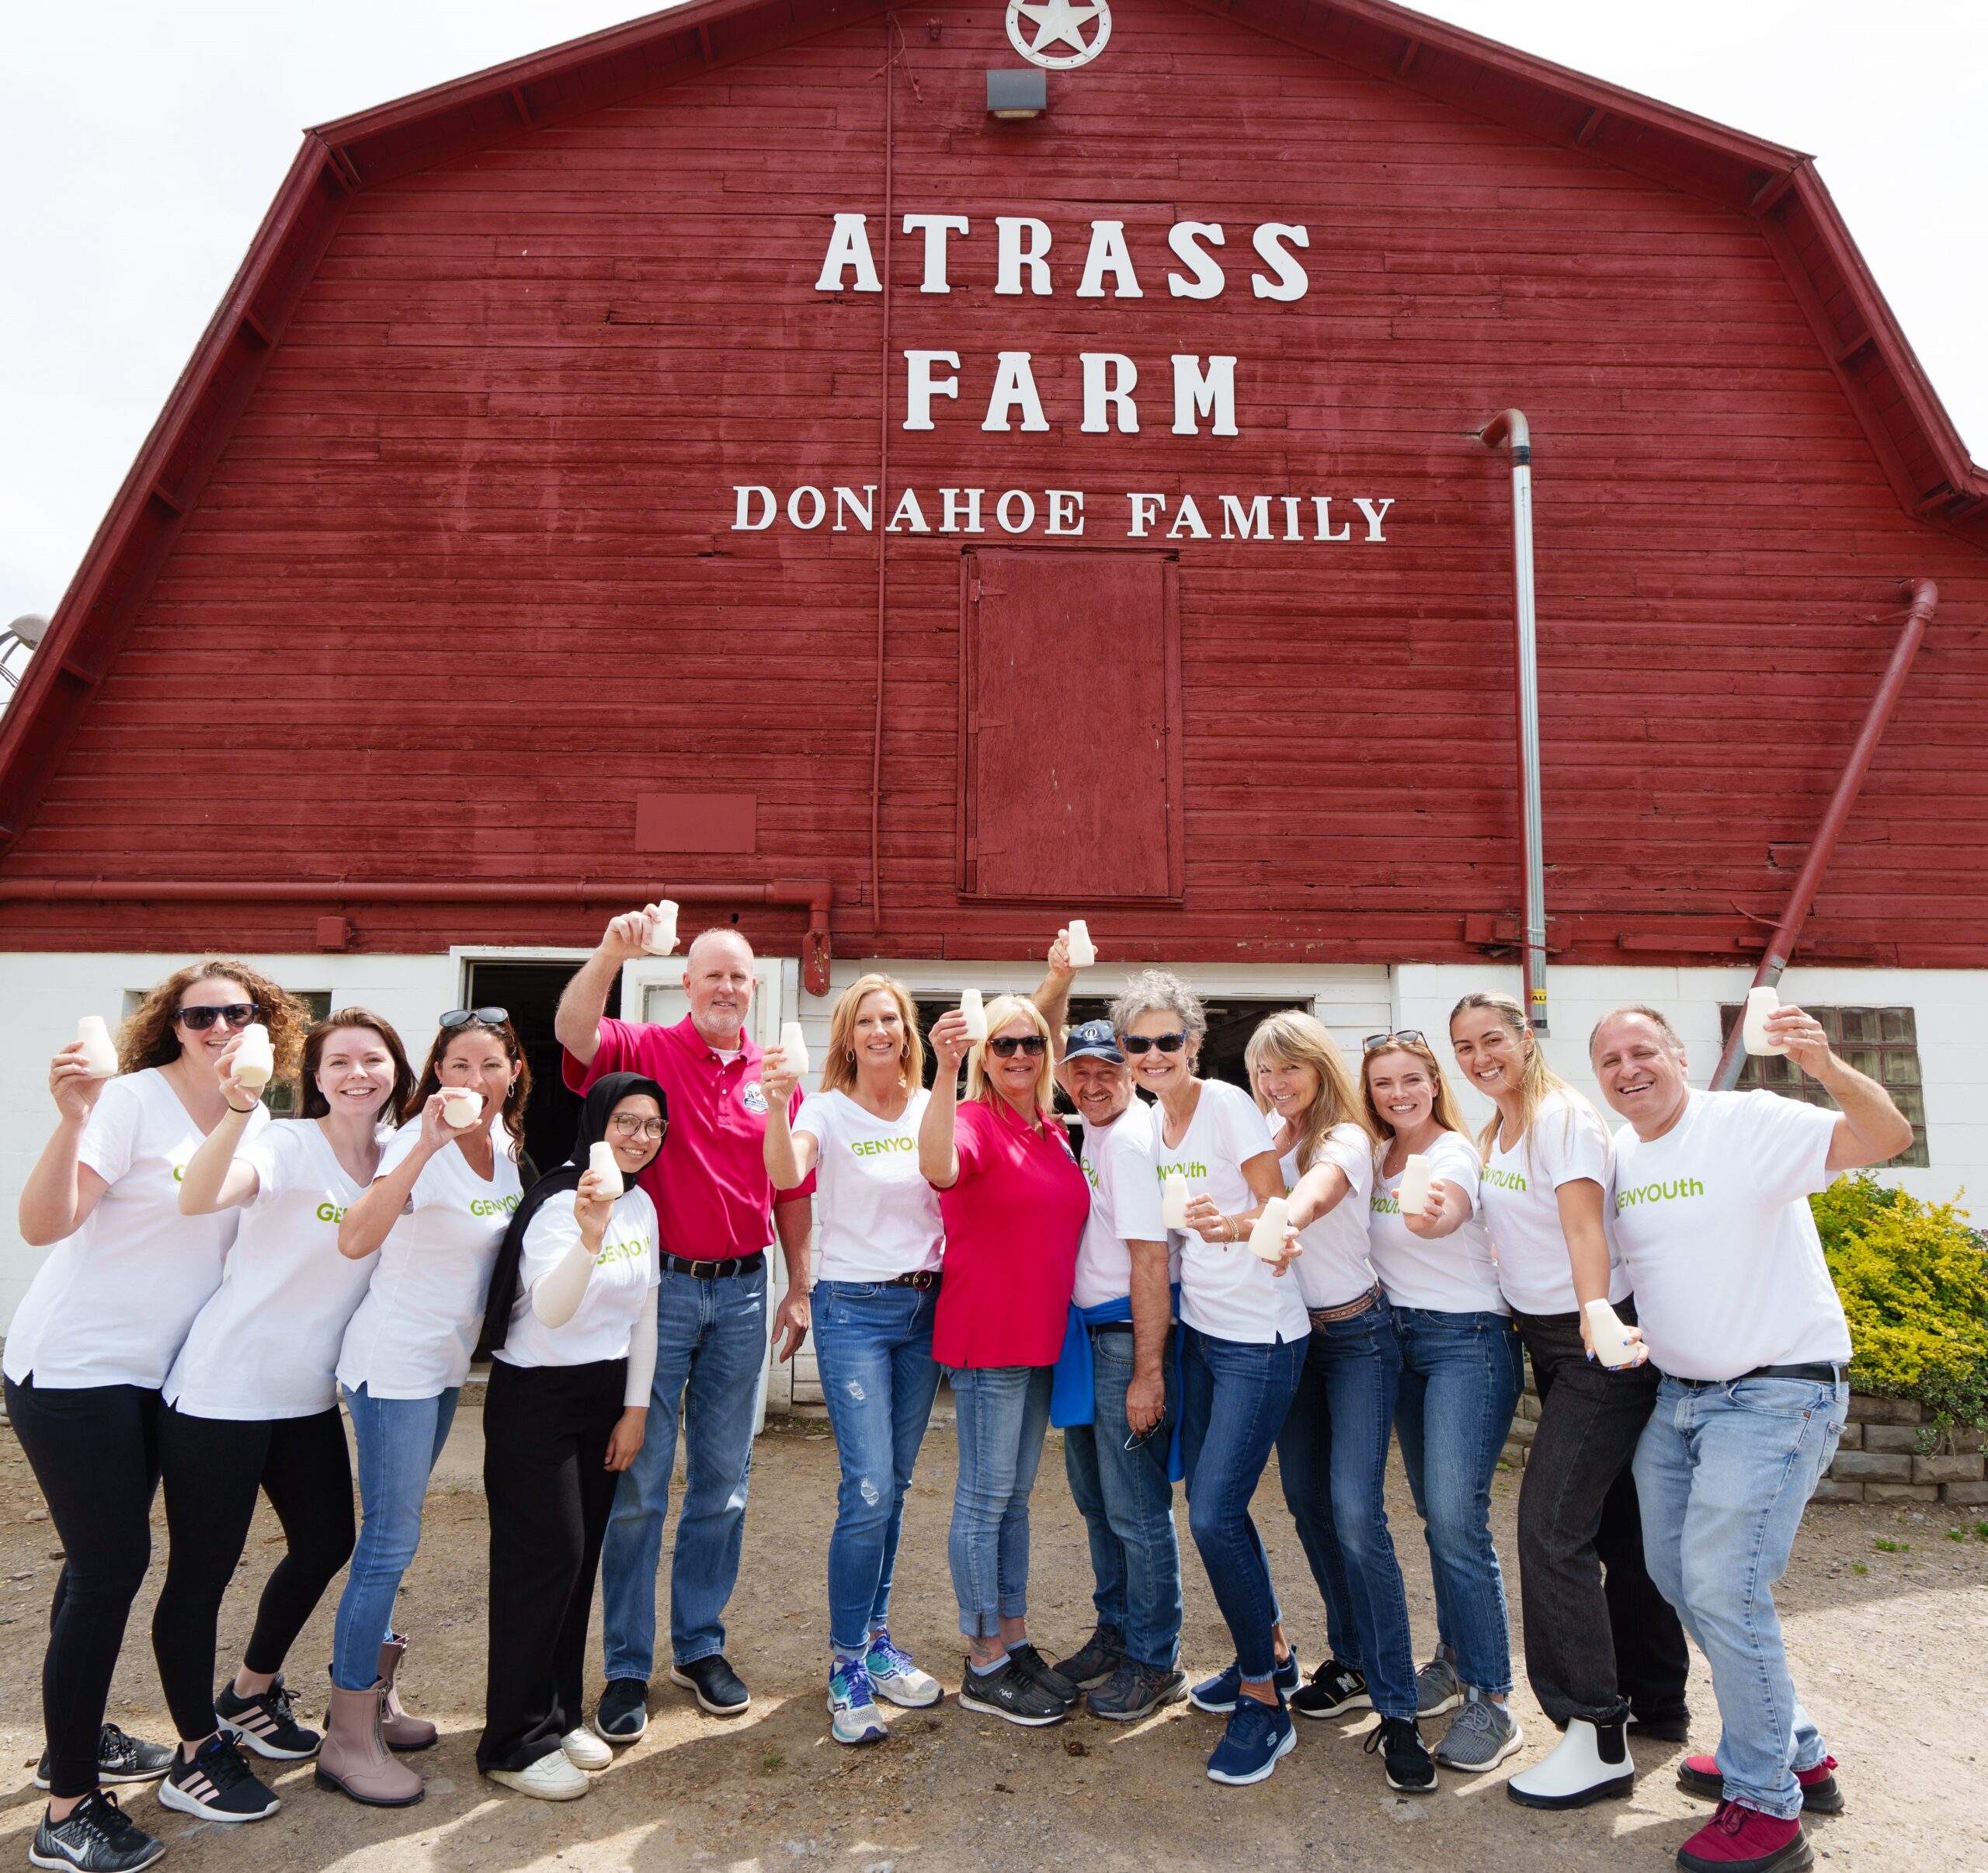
(1591,1764)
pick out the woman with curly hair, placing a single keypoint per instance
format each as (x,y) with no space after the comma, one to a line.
(91,1346)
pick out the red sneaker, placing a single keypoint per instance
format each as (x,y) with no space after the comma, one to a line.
(1741,1839)
(1698,1775)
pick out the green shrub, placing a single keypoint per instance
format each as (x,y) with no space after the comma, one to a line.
(1914,1279)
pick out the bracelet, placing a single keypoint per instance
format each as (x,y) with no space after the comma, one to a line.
(239,1111)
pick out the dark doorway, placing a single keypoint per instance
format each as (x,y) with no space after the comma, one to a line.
(531,991)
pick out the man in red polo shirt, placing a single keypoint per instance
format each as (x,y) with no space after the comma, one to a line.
(716,1210)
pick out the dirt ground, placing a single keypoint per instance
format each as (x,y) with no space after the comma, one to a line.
(1887,1646)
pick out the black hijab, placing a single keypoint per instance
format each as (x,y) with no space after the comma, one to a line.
(602,1097)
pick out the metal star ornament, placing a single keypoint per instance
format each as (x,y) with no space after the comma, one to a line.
(1036,27)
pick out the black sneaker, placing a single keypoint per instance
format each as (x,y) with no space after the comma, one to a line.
(216,1785)
(97,1837)
(1135,1690)
(1096,1659)
(266,1723)
(719,1689)
(1334,1690)
(1662,1726)
(1011,1693)
(623,1713)
(119,1759)
(1040,1673)
(1404,1755)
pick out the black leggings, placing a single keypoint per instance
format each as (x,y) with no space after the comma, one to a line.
(94,1449)
(212,1468)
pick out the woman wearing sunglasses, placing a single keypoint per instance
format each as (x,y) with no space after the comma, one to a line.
(1461,1369)
(570,1326)
(1014,1204)
(436,1212)
(91,1346)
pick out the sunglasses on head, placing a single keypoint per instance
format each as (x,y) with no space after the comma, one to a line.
(490,1017)
(1144,1043)
(235,1014)
(1373,1043)
(1006,1046)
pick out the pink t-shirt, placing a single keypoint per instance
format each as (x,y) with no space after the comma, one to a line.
(713,1200)
(1014,1221)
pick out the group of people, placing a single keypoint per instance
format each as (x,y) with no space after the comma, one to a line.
(219,1280)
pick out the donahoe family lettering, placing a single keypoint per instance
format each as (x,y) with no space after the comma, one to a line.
(1660,1193)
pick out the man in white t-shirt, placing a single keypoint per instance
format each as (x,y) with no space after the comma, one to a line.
(1707,1200)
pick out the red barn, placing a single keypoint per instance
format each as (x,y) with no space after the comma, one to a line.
(724,456)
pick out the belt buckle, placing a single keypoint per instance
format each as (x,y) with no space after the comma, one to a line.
(703,1271)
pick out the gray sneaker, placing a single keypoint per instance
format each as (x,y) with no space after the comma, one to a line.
(1437,1687)
(1480,1736)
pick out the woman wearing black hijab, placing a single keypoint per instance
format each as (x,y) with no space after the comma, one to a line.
(571,1328)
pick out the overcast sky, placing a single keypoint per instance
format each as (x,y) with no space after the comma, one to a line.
(143,141)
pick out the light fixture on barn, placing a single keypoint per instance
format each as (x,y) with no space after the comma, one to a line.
(1014,95)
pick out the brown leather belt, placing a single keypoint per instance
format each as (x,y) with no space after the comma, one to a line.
(1325,1316)
(919,1277)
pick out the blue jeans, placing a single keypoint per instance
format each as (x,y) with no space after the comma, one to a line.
(1723,1473)
(1002,1412)
(1126,1503)
(399,1440)
(710,1346)
(1234,1396)
(1461,1375)
(1333,1458)
(873,1347)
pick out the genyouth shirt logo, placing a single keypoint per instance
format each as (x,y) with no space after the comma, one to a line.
(1195,1168)
(1660,1193)
(877,1147)
(622,1248)
(492,1206)
(1384,1204)
(752,1096)
(1090,1173)
(331,1212)
(1504,1179)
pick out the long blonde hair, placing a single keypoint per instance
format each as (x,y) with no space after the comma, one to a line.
(1299,1040)
(1442,1109)
(1536,1082)
(839,1071)
(1000,1012)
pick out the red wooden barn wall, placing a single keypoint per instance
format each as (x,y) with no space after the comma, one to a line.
(463,582)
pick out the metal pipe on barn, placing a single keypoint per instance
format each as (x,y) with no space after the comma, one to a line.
(1511,424)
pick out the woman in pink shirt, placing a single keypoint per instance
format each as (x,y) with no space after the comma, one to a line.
(1014,1204)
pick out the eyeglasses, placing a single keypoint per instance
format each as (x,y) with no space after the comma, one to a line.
(1006,1046)
(234,1014)
(1375,1042)
(1144,1043)
(630,1126)
(490,1017)
(1138,1438)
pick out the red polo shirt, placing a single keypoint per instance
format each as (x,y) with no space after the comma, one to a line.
(713,1199)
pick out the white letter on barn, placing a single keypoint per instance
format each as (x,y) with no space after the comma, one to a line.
(740,523)
(1185,238)
(936,228)
(920,387)
(1291,279)
(1109,254)
(1252,523)
(1109,378)
(848,246)
(864,509)
(1014,254)
(1207,393)
(1014,389)
(962,517)
(910,517)
(1145,510)
(1374,515)
(1065,505)
(1324,505)
(1189,516)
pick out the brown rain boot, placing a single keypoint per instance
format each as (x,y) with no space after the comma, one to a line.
(355,1759)
(401,1731)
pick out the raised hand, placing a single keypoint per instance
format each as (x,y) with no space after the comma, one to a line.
(70,1083)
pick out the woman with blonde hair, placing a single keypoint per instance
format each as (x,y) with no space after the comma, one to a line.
(1014,1204)
(1602,1658)
(875,1299)
(1461,1369)
(1333,1451)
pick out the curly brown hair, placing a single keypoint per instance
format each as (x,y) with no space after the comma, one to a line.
(151,1037)
(315,1105)
(431,1080)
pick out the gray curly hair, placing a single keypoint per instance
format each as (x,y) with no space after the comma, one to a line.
(1162,990)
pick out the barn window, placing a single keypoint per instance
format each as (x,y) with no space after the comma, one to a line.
(1069,731)
(1882,1042)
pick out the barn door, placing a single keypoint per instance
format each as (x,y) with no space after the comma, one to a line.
(1069,726)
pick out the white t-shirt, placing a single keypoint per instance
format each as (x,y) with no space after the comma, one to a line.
(266,1346)
(1455,1274)
(1567,1141)
(112,1303)
(1226,1291)
(1334,1268)
(1714,1225)
(1117,1164)
(414,1331)
(879,1218)
(623,1272)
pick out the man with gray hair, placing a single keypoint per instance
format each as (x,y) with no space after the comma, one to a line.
(716,1214)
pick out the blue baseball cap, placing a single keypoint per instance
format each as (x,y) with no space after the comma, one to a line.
(1095,1039)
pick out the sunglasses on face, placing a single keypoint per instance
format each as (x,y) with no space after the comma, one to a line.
(1006,1046)
(234,1014)
(1144,1043)
(1373,1043)
(629,1126)
(490,1017)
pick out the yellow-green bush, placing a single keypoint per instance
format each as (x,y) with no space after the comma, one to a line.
(1914,1283)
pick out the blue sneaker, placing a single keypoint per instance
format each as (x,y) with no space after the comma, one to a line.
(1217,1695)
(896,1677)
(852,1712)
(1257,1735)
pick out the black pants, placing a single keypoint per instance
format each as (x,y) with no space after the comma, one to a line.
(1597,1647)
(213,1468)
(94,1449)
(545,1433)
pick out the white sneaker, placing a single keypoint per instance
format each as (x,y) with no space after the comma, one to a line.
(897,1678)
(551,1778)
(584,1750)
